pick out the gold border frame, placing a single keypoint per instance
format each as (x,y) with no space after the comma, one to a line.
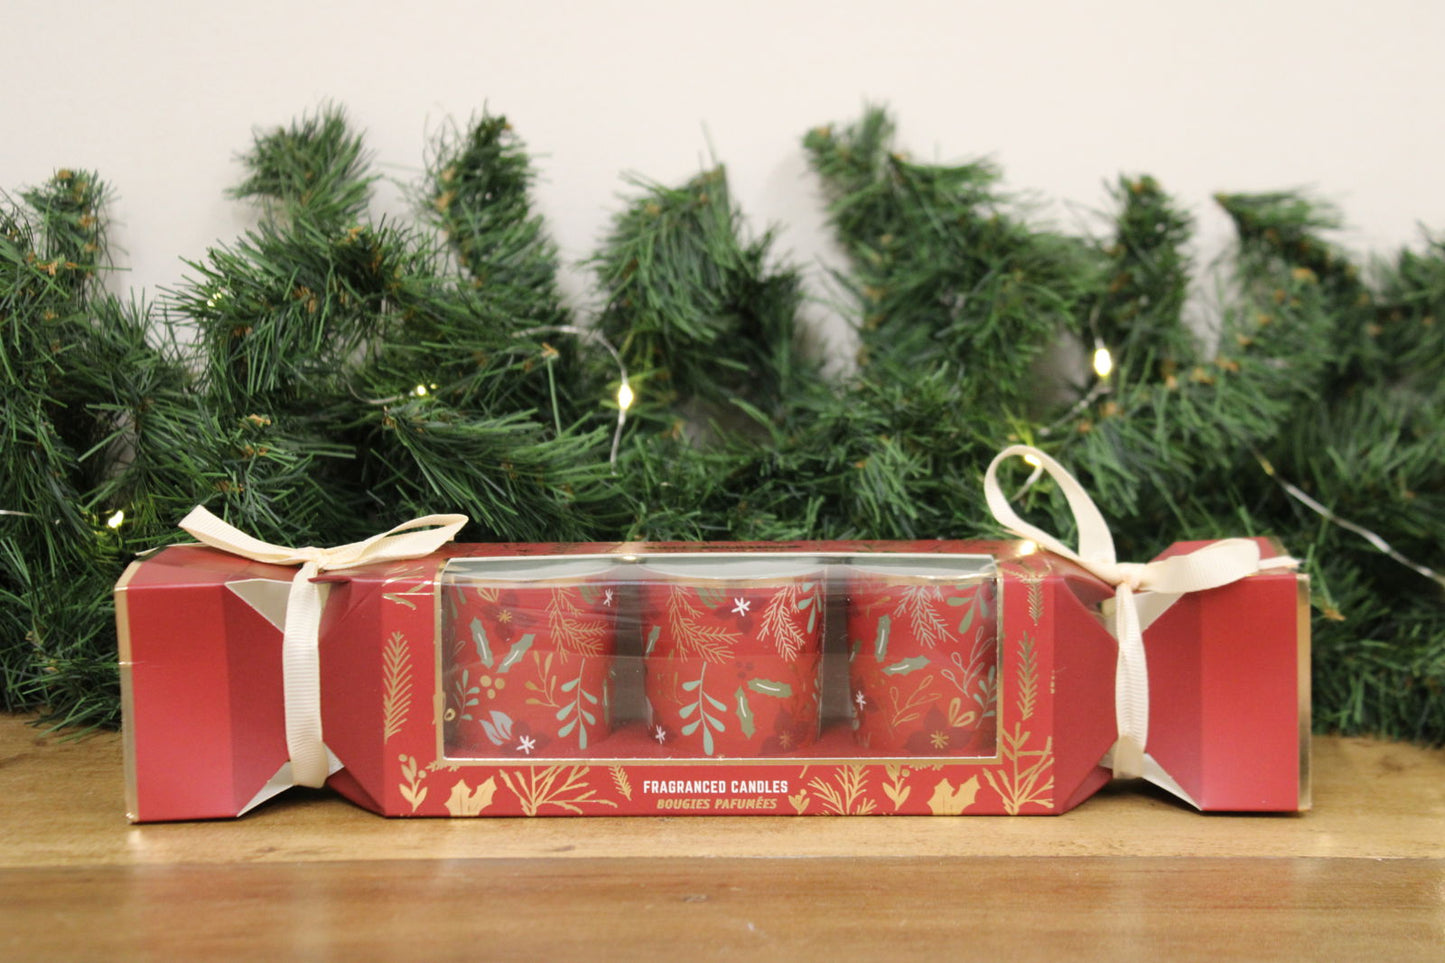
(632,556)
(127,689)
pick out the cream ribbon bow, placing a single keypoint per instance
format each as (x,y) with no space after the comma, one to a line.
(300,656)
(1211,566)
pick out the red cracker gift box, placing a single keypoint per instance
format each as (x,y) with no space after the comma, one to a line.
(1036,730)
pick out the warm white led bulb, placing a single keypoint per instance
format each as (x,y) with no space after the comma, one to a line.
(1103,361)
(116,520)
(419,391)
(625,396)
(1033,461)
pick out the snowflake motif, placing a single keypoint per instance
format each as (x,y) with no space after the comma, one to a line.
(527,745)
(660,734)
(939,740)
(860,699)
(607,597)
(741,606)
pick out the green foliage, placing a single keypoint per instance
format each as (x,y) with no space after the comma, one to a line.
(943,272)
(355,383)
(341,374)
(81,390)
(315,170)
(477,193)
(696,310)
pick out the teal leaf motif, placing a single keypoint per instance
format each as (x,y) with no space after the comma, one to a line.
(745,713)
(880,645)
(498,729)
(968,617)
(906,666)
(519,649)
(484,647)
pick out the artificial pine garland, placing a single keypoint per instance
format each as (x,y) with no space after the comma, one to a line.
(341,374)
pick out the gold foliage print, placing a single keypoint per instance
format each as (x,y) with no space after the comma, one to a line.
(695,639)
(949,800)
(420,587)
(1028,678)
(1027,774)
(920,606)
(623,784)
(546,692)
(896,785)
(844,795)
(1036,598)
(466,801)
(570,630)
(780,622)
(907,700)
(412,776)
(564,787)
(1033,578)
(396,686)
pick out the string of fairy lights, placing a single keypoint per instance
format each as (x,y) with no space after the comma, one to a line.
(1101,362)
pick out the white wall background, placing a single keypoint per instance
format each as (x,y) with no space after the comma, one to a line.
(160,96)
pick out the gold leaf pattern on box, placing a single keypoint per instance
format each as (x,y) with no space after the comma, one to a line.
(845,795)
(396,686)
(950,800)
(466,801)
(692,637)
(563,787)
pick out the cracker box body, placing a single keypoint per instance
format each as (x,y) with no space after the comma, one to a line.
(898,678)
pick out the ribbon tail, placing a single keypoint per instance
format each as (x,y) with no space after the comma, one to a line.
(1131,688)
(301,664)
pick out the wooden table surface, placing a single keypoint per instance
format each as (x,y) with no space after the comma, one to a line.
(1128,875)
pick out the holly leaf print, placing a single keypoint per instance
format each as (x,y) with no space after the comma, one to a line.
(465,801)
(518,649)
(906,665)
(484,646)
(880,644)
(779,690)
(744,712)
(949,800)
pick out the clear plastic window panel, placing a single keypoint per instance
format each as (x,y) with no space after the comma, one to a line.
(705,655)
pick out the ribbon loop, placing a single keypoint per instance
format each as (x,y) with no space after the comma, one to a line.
(1211,566)
(300,656)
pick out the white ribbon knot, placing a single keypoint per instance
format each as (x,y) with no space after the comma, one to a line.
(1218,563)
(300,656)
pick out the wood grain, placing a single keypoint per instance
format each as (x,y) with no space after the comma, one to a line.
(1128,874)
(505,909)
